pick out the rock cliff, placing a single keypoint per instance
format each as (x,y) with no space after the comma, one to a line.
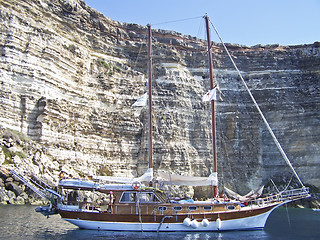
(69,75)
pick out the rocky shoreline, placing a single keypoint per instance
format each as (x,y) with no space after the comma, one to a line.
(12,191)
(28,158)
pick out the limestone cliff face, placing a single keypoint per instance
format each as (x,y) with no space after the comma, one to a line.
(69,76)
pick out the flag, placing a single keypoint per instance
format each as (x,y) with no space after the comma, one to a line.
(210,95)
(141,101)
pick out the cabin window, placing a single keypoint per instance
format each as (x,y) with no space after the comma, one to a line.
(177,208)
(144,197)
(207,208)
(162,208)
(192,208)
(147,197)
(231,207)
(128,197)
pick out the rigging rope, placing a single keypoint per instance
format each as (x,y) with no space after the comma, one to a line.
(258,108)
(140,49)
(179,20)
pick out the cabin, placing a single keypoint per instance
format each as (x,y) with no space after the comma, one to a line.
(127,199)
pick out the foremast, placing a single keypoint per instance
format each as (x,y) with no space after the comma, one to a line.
(213,117)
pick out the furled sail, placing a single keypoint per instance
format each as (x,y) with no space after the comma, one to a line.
(174,179)
(146,177)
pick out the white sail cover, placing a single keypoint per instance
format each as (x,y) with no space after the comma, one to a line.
(78,183)
(174,179)
(146,177)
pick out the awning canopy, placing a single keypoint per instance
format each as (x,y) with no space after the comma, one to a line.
(174,179)
(146,177)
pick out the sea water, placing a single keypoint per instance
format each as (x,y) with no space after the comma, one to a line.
(22,222)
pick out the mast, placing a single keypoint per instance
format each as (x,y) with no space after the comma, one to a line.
(213,117)
(150,150)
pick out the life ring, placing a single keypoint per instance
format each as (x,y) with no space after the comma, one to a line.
(136,185)
(260,203)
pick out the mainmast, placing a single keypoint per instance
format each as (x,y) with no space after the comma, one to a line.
(150,93)
(212,85)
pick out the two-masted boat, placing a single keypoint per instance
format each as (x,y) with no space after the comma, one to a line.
(138,204)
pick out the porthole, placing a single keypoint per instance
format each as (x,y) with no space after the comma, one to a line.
(162,208)
(231,207)
(207,208)
(177,208)
(192,208)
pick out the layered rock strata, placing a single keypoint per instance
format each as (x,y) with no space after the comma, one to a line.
(69,76)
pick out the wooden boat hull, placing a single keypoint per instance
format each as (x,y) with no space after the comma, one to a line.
(250,219)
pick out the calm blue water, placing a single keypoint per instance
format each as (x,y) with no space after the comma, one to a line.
(22,222)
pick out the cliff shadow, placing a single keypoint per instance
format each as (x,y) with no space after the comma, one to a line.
(35,118)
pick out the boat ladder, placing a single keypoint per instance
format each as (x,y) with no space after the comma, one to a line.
(27,182)
(162,222)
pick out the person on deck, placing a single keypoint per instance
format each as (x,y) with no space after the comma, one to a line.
(84,204)
(111,202)
(61,175)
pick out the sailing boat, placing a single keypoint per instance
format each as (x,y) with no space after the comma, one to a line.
(138,204)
